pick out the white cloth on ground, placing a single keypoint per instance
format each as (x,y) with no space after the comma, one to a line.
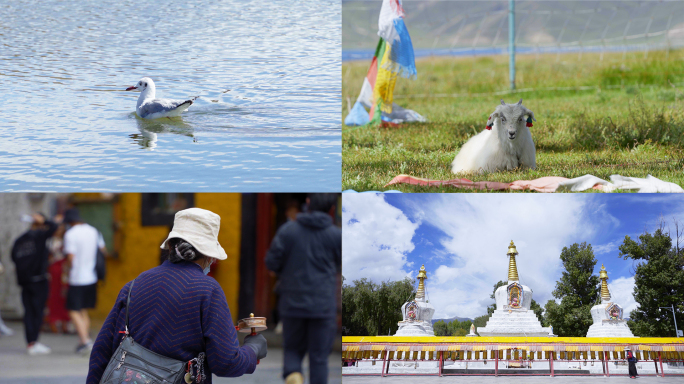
(649,184)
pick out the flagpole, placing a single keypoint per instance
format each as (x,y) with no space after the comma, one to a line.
(511,42)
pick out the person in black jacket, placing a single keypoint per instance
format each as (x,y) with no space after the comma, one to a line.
(306,254)
(631,360)
(30,256)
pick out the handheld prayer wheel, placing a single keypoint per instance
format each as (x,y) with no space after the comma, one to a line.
(252,325)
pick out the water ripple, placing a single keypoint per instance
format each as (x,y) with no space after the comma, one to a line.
(266,73)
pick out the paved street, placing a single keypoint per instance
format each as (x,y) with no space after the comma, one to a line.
(64,366)
(510,380)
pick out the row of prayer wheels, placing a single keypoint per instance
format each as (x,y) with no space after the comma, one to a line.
(510,354)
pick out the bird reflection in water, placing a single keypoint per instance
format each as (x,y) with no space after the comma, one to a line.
(149,129)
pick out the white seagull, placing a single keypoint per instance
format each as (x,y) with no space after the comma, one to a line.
(151,108)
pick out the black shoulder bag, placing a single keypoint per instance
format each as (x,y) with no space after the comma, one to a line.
(133,363)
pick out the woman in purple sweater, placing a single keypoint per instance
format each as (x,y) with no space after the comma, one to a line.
(178,311)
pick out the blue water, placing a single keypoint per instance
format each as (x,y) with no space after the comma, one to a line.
(267,73)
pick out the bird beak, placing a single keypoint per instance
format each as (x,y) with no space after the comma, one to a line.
(131,88)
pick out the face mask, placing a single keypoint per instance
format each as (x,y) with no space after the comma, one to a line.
(208,268)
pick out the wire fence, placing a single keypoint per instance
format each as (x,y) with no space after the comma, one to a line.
(480,27)
(615,31)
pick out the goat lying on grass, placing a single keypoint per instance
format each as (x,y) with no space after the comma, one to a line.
(505,144)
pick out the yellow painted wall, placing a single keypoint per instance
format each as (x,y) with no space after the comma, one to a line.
(139,247)
(229,207)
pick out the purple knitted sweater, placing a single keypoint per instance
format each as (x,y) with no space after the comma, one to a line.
(178,312)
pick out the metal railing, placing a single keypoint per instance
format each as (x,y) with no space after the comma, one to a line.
(508,355)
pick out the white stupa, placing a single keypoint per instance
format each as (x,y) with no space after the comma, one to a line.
(417,313)
(607,316)
(513,316)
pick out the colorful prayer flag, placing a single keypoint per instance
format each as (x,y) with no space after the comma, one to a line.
(393,58)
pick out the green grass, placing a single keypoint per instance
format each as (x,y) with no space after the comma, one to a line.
(630,122)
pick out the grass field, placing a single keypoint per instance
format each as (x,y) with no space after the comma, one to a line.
(623,114)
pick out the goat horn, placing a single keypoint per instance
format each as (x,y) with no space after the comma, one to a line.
(520,102)
(503,102)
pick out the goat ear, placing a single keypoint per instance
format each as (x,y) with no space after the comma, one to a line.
(503,102)
(530,114)
(520,102)
(490,121)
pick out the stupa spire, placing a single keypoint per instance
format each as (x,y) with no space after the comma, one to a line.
(512,267)
(603,275)
(422,276)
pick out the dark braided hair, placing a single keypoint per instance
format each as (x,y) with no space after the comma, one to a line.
(181,250)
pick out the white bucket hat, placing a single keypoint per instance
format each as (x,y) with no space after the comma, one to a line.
(200,228)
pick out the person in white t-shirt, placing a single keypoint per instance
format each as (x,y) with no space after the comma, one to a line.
(81,242)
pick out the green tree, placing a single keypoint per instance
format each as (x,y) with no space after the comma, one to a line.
(578,291)
(658,281)
(538,310)
(441,328)
(370,309)
(459,328)
(480,321)
(454,326)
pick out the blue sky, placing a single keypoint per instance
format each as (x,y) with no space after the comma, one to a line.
(462,239)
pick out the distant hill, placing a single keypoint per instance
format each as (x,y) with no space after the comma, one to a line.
(452,319)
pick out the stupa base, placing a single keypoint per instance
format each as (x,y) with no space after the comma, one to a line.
(415,329)
(610,328)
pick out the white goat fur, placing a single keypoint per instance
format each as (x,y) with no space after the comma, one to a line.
(493,150)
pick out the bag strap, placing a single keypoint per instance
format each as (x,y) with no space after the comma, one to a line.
(198,361)
(128,304)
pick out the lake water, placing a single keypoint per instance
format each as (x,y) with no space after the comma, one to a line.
(267,73)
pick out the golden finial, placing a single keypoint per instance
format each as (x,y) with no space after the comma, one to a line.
(603,275)
(512,267)
(422,276)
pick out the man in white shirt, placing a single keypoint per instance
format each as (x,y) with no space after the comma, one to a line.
(81,242)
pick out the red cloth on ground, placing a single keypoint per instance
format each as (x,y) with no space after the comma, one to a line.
(547,184)
(544,184)
(461,183)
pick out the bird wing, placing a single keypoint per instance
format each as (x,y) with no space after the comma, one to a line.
(161,105)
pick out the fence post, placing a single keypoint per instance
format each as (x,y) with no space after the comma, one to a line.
(496,363)
(511,42)
(441,362)
(384,361)
(603,363)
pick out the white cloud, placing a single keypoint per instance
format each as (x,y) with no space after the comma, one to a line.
(606,248)
(471,256)
(621,290)
(445,274)
(479,229)
(377,237)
